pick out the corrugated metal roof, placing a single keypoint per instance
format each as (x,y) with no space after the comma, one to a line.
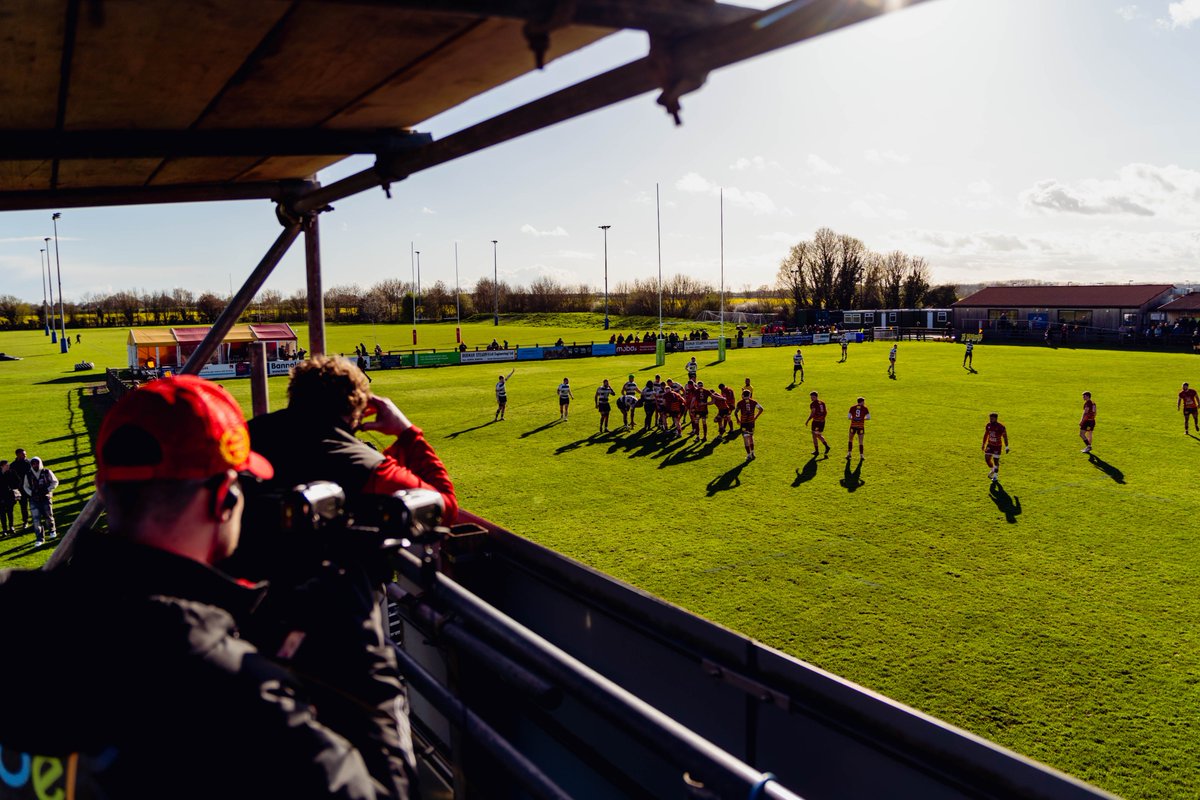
(149,337)
(1129,296)
(273,332)
(1189,302)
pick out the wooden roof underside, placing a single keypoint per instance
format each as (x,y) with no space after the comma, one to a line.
(128,101)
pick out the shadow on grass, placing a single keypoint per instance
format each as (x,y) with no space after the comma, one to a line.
(808,472)
(1009,506)
(791,387)
(852,479)
(693,452)
(599,437)
(726,481)
(971,370)
(77,377)
(1193,436)
(545,427)
(1107,468)
(456,434)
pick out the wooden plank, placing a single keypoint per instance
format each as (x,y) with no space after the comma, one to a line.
(202,170)
(324,56)
(289,167)
(18,176)
(31,38)
(154,64)
(490,54)
(86,173)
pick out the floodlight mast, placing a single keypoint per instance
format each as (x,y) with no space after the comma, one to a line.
(495,287)
(45,305)
(50,285)
(605,229)
(62,312)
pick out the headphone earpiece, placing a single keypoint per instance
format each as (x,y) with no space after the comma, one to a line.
(225,497)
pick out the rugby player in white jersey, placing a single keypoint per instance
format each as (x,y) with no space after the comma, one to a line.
(798,365)
(628,402)
(502,395)
(603,395)
(565,396)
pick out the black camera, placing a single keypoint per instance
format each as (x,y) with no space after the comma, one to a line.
(288,533)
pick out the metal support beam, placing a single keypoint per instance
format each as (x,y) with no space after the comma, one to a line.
(152,195)
(260,402)
(116,144)
(316,294)
(91,511)
(675,66)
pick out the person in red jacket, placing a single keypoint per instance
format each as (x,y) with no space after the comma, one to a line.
(313,439)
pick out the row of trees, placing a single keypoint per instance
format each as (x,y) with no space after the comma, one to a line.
(837,271)
(830,271)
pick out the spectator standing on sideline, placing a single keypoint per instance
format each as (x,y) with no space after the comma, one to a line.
(40,484)
(502,395)
(8,498)
(362,366)
(1087,423)
(565,396)
(173,696)
(20,467)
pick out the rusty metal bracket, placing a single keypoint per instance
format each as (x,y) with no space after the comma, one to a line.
(747,685)
(559,14)
(674,74)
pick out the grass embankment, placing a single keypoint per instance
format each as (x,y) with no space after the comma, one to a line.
(1053,616)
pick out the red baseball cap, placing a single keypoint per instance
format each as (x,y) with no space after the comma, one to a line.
(179,428)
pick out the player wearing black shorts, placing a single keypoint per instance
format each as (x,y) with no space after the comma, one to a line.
(748,412)
(816,416)
(603,395)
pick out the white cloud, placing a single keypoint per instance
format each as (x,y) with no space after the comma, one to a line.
(427,210)
(979,187)
(576,255)
(756,202)
(527,275)
(820,166)
(757,162)
(886,157)
(877,207)
(1139,190)
(532,231)
(1128,13)
(1182,14)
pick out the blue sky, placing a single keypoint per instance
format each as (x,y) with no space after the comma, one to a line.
(999,139)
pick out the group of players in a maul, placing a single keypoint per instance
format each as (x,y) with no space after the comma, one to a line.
(673,407)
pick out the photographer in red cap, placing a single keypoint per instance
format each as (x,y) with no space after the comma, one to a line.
(144,686)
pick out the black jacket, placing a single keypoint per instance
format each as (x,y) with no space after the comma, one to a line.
(128,663)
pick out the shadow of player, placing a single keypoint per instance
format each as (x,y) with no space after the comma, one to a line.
(971,370)
(852,479)
(1009,506)
(807,472)
(1193,436)
(456,434)
(729,480)
(1107,468)
(545,427)
(694,451)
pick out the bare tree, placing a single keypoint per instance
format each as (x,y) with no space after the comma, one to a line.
(342,300)
(870,287)
(485,294)
(438,301)
(916,282)
(545,295)
(852,257)
(795,275)
(894,266)
(942,296)
(209,306)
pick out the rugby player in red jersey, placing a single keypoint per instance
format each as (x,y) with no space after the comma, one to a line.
(689,401)
(673,403)
(1087,423)
(700,409)
(993,435)
(1191,404)
(816,415)
(748,412)
(858,415)
(723,400)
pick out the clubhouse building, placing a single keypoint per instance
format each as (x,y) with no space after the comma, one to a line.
(1112,307)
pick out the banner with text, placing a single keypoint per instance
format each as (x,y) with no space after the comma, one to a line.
(484,356)
(636,347)
(700,344)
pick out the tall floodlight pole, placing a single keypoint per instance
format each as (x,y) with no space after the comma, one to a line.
(50,286)
(495,287)
(605,229)
(417,305)
(62,312)
(42,260)
(658,225)
(721,198)
(412,260)
(457,299)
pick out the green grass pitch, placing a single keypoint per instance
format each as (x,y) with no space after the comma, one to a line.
(1055,616)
